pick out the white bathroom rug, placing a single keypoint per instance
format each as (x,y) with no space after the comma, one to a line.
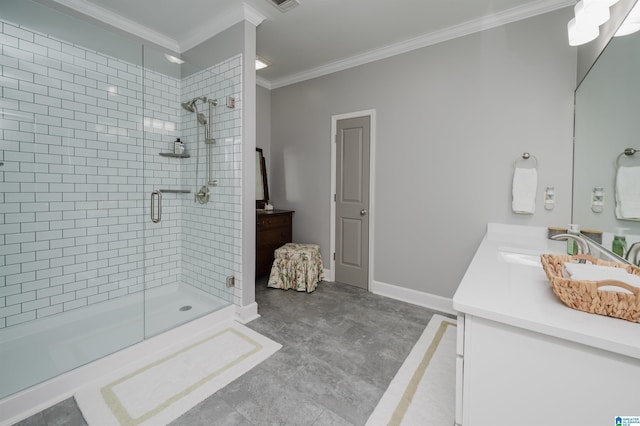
(159,389)
(423,390)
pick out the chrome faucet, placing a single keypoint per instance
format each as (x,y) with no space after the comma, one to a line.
(583,245)
(633,253)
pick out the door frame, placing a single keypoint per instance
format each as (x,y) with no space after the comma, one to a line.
(371,113)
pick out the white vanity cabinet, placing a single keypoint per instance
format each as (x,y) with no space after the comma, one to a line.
(525,358)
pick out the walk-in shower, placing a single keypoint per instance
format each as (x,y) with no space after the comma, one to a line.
(87,134)
(202,194)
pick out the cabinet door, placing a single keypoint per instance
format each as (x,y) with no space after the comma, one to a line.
(511,373)
(272,231)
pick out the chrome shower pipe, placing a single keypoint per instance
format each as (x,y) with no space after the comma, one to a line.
(208,128)
(209,141)
(202,194)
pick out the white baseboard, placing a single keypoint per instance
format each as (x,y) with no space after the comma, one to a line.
(426,300)
(245,314)
(327,275)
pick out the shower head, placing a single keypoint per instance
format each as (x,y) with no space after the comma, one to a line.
(190,105)
(201,118)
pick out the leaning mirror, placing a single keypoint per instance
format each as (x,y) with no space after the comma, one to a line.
(606,192)
(262,188)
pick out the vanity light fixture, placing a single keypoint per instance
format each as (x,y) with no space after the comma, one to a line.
(261,63)
(581,33)
(173,59)
(589,15)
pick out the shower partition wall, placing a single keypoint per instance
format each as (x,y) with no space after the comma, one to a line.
(84,272)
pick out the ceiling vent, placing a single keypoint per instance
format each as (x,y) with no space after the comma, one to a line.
(285,5)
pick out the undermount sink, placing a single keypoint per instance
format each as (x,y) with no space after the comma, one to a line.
(520,256)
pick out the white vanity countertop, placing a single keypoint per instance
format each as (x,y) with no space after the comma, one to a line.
(504,283)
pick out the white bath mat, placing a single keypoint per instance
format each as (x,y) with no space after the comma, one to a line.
(423,390)
(160,389)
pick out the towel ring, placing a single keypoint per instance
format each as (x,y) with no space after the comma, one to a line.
(525,162)
(628,152)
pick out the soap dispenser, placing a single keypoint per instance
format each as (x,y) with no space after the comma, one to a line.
(619,245)
(572,245)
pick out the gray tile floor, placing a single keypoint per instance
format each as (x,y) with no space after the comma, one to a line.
(341,346)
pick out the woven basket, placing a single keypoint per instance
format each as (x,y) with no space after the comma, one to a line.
(585,296)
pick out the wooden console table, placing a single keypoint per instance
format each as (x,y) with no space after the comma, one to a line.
(273,230)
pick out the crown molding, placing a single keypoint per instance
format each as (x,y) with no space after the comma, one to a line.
(263,82)
(220,22)
(501,18)
(252,15)
(120,22)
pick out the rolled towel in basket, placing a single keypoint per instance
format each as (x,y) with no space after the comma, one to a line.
(586,272)
(525,184)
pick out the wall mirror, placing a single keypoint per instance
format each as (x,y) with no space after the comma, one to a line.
(262,187)
(607,121)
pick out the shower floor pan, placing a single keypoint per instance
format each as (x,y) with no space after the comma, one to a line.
(39,350)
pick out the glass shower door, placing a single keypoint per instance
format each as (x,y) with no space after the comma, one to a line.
(71,279)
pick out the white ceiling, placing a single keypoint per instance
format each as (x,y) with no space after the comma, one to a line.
(317,37)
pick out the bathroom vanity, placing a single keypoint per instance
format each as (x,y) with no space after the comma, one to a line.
(525,358)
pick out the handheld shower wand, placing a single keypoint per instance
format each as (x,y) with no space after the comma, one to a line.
(202,194)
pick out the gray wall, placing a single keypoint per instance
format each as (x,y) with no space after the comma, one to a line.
(451,120)
(218,48)
(263,123)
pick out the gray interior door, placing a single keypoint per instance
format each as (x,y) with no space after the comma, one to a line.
(352,201)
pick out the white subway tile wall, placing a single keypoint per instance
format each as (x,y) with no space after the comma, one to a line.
(212,232)
(81,133)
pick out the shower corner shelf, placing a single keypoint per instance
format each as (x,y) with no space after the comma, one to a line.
(172,155)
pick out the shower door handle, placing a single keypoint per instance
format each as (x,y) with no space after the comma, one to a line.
(156,195)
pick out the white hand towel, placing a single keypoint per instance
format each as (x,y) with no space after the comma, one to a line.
(586,272)
(525,184)
(628,193)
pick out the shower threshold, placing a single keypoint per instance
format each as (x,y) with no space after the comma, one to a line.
(39,350)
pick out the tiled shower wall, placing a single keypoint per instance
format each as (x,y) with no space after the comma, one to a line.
(74,191)
(212,233)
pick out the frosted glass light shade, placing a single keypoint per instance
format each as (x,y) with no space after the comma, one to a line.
(581,33)
(607,3)
(591,13)
(627,28)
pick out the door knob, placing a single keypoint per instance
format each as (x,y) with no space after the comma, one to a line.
(363,212)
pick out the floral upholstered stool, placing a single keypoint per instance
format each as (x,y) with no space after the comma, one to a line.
(296,266)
